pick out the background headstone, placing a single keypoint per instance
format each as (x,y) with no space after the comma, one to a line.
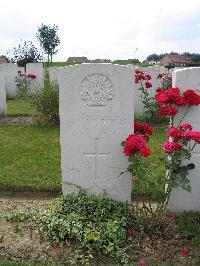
(153,71)
(10,73)
(96,115)
(53,74)
(188,78)
(3,106)
(38,70)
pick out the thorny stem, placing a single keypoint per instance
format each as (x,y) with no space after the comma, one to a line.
(184,115)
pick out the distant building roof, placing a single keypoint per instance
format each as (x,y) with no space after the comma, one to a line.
(80,59)
(172,59)
(3,59)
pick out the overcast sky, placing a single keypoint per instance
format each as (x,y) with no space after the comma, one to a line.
(115,29)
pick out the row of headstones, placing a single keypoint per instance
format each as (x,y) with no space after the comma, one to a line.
(8,88)
(97,105)
(152,70)
(8,74)
(96,115)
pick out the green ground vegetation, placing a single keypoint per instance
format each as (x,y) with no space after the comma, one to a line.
(30,157)
(18,108)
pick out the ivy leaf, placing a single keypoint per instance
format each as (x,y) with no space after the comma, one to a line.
(123,143)
(190,166)
(131,159)
(183,172)
(185,184)
(187,154)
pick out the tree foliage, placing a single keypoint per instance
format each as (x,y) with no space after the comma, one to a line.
(48,38)
(25,53)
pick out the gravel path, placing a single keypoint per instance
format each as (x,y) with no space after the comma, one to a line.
(21,241)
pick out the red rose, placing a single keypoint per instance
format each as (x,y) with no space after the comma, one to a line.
(136,143)
(19,72)
(137,71)
(33,76)
(173,218)
(162,98)
(167,111)
(133,143)
(191,97)
(192,135)
(174,133)
(173,92)
(131,232)
(170,146)
(160,76)
(186,126)
(148,84)
(148,77)
(180,101)
(184,251)
(145,151)
(159,89)
(138,126)
(137,80)
(148,129)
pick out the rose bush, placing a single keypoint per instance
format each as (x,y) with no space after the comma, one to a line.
(23,83)
(181,141)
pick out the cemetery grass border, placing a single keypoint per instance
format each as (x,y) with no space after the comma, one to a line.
(18,108)
(30,158)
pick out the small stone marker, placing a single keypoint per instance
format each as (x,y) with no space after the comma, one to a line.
(96,115)
(188,78)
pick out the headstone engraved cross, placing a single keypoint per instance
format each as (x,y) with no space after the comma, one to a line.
(96,155)
(96,105)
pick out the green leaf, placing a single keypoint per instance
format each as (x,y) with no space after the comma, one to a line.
(190,166)
(123,143)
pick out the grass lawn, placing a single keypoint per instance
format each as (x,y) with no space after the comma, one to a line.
(30,157)
(18,108)
(30,154)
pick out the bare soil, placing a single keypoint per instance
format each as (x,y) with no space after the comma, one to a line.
(22,241)
(18,120)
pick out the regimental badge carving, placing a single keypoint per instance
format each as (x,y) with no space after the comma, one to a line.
(96,90)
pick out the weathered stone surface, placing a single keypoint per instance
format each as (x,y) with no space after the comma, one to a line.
(96,115)
(53,74)
(10,73)
(38,70)
(153,71)
(181,200)
(3,106)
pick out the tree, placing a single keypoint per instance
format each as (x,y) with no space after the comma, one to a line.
(153,57)
(48,38)
(24,53)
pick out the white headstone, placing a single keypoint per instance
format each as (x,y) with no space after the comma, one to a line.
(38,70)
(53,74)
(153,71)
(188,78)
(3,106)
(10,73)
(96,115)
